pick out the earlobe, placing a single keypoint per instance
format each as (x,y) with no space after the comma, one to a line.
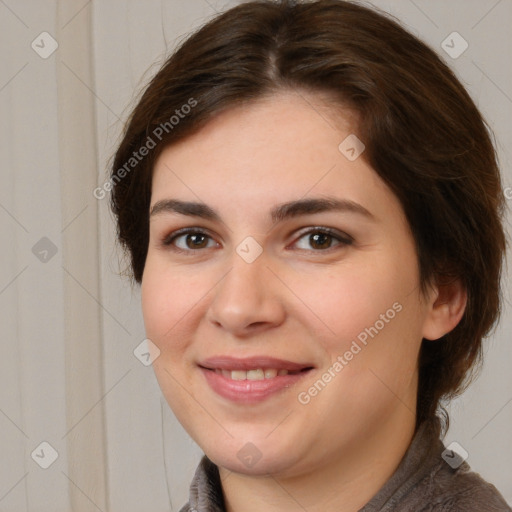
(445,309)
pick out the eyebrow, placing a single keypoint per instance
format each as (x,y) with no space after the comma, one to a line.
(277,214)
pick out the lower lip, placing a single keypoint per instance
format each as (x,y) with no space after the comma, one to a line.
(250,391)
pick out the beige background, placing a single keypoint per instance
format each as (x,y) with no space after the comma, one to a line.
(68,375)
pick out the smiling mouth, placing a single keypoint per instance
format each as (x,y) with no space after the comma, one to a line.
(249,380)
(256,373)
(251,385)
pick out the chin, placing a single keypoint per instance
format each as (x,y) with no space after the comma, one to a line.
(255,458)
(262,467)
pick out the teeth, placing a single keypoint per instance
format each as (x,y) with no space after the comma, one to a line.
(271,373)
(256,374)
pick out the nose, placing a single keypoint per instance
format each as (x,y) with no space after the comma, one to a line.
(249,298)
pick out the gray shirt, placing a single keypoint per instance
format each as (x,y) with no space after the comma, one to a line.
(423,482)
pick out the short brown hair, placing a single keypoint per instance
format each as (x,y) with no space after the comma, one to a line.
(424,137)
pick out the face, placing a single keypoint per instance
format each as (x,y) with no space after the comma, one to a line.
(272,249)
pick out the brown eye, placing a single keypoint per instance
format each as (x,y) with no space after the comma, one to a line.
(322,239)
(196,241)
(189,240)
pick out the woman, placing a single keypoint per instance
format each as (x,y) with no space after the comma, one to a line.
(311,203)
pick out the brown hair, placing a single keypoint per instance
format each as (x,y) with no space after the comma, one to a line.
(424,137)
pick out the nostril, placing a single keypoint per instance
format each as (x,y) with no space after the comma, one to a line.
(255,325)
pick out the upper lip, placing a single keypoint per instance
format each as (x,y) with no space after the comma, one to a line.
(250,363)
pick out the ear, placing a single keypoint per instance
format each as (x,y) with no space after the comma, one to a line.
(445,307)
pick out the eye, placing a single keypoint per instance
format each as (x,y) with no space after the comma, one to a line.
(316,239)
(189,240)
(322,239)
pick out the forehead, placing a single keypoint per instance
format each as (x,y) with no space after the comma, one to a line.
(273,150)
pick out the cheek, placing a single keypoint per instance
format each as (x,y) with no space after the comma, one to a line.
(373,315)
(167,305)
(166,299)
(353,297)
(380,337)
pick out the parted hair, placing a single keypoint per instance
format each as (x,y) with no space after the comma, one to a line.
(423,134)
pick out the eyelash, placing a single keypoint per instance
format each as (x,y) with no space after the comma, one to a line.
(342,238)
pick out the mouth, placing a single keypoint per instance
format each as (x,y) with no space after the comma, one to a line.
(253,368)
(253,379)
(256,373)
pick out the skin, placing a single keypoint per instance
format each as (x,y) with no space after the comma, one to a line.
(296,301)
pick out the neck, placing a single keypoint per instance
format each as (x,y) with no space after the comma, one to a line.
(344,482)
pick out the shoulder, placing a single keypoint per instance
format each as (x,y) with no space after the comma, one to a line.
(460,490)
(426,482)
